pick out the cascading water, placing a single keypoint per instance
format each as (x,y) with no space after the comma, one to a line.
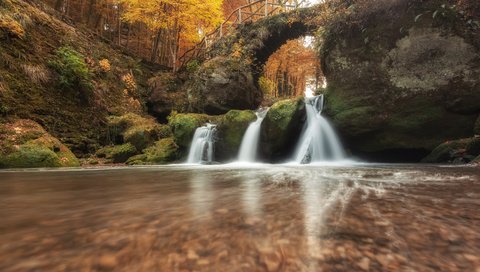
(249,146)
(203,145)
(318,141)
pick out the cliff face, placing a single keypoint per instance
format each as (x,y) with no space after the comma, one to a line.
(403,80)
(64,78)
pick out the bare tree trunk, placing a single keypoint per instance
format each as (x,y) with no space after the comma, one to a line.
(59,5)
(155,46)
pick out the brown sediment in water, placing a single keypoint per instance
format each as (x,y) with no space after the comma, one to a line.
(269,218)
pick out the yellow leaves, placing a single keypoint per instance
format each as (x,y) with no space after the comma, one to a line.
(130,83)
(11,27)
(104,65)
(187,17)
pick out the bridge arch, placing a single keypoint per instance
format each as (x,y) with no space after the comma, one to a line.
(228,75)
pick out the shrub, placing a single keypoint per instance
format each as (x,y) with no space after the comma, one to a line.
(72,69)
(193,66)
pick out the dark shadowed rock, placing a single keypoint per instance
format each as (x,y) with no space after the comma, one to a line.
(222,84)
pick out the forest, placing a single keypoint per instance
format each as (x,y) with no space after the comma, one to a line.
(239,135)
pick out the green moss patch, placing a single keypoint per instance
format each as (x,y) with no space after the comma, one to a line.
(25,144)
(163,151)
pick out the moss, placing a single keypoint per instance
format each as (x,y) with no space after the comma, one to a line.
(282,113)
(164,151)
(117,153)
(184,125)
(231,129)
(72,69)
(473,147)
(463,150)
(30,156)
(281,128)
(476,129)
(135,129)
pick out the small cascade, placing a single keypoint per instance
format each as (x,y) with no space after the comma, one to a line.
(318,141)
(249,146)
(203,145)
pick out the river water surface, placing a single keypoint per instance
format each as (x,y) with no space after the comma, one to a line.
(232,218)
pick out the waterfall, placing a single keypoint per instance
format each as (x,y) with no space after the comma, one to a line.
(318,141)
(202,147)
(249,146)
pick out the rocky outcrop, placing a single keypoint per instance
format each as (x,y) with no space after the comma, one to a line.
(222,84)
(165,96)
(25,144)
(398,90)
(281,129)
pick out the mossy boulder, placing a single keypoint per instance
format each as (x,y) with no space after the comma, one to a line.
(458,151)
(403,87)
(163,151)
(25,144)
(281,129)
(230,131)
(117,153)
(183,126)
(139,131)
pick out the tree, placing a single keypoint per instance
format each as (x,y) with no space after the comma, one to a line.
(174,22)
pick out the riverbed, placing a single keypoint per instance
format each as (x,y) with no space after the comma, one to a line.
(241,218)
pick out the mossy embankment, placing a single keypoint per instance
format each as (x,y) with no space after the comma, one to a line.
(64,78)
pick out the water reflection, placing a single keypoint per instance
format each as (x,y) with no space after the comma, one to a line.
(201,195)
(275,218)
(251,194)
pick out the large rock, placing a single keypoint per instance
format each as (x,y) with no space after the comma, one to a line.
(222,84)
(165,96)
(25,144)
(458,151)
(139,131)
(281,129)
(117,153)
(163,151)
(397,90)
(230,132)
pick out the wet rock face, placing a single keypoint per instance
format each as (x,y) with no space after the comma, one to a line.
(405,86)
(222,84)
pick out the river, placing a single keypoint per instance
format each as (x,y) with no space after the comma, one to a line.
(241,218)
